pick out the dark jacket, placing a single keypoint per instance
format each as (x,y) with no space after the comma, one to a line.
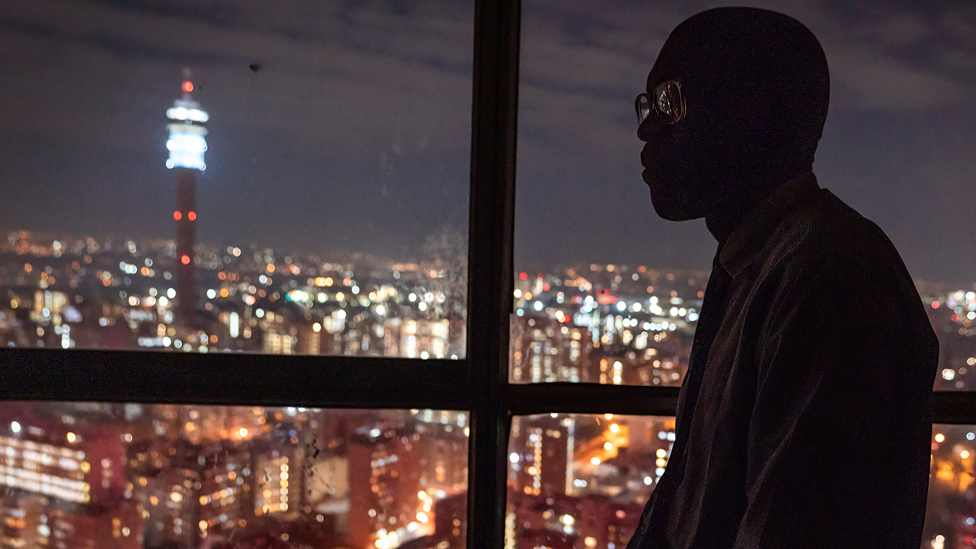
(805,416)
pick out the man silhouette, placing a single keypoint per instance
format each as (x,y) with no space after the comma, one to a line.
(805,416)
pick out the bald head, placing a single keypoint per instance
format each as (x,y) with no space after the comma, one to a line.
(764,70)
(756,86)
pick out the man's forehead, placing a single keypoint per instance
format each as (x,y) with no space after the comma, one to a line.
(665,68)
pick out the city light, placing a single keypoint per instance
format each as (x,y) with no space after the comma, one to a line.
(70,472)
(185,113)
(187,142)
(271,302)
(186,148)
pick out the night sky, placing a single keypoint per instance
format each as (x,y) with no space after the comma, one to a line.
(355,132)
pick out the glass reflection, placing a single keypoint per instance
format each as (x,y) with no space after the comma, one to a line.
(949,517)
(581,481)
(609,324)
(249,185)
(181,476)
(578,480)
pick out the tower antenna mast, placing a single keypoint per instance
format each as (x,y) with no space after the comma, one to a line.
(187,144)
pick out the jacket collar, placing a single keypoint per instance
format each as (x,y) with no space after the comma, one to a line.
(746,241)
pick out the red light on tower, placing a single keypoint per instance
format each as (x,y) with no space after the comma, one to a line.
(186,145)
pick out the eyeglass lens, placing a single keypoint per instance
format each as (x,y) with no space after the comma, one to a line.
(667,101)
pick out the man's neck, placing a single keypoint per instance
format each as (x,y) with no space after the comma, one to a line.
(745,195)
(721,224)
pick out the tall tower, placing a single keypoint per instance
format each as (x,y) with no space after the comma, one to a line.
(186,146)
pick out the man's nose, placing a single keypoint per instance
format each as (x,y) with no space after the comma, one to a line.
(644,129)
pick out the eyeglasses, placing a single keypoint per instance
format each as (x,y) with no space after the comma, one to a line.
(666,100)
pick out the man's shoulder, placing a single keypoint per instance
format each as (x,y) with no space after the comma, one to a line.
(825,241)
(826,245)
(826,230)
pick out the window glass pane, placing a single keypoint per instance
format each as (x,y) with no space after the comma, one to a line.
(591,254)
(285,177)
(950,519)
(175,476)
(580,480)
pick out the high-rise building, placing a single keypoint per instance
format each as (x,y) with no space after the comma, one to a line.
(386,496)
(541,454)
(169,501)
(277,478)
(62,486)
(548,349)
(226,492)
(187,144)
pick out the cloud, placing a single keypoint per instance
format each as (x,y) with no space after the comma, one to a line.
(349,76)
(894,70)
(898,61)
(383,88)
(343,84)
(580,67)
(880,58)
(864,78)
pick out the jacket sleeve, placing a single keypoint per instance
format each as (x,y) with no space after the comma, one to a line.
(838,444)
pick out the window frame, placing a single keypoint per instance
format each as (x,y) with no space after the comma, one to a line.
(478,383)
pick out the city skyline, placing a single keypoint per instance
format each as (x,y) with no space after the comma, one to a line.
(333,217)
(351,134)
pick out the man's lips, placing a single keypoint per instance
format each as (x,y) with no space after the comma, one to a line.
(647,177)
(648,164)
(650,168)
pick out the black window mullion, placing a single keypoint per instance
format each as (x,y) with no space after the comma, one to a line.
(954,407)
(591,398)
(490,284)
(232,379)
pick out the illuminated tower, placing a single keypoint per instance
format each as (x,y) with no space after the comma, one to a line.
(186,146)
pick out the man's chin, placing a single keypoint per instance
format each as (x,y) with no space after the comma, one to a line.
(667,204)
(672,210)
